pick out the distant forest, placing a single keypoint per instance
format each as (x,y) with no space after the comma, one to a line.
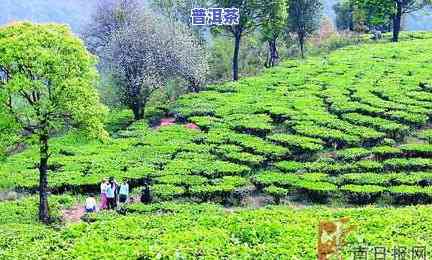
(76,13)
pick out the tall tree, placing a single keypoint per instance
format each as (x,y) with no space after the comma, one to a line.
(145,55)
(272,27)
(382,11)
(344,15)
(350,17)
(143,51)
(180,11)
(250,14)
(47,85)
(304,18)
(109,17)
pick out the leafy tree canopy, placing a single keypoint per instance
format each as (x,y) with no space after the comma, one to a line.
(47,85)
(48,78)
(274,19)
(379,12)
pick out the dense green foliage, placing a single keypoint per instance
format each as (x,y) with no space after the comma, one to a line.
(47,86)
(182,230)
(385,12)
(48,80)
(348,128)
(334,120)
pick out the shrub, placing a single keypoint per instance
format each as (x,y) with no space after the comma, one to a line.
(411,194)
(417,150)
(277,192)
(258,124)
(352,154)
(415,118)
(206,122)
(249,143)
(219,190)
(395,129)
(315,190)
(332,136)
(385,152)
(362,194)
(425,135)
(290,166)
(300,143)
(268,178)
(182,180)
(368,165)
(234,154)
(411,164)
(166,191)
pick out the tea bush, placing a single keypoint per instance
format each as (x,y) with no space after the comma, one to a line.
(187,230)
(323,122)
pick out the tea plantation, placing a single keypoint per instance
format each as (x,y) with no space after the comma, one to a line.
(206,231)
(344,130)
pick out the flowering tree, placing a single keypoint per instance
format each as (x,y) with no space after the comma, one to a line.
(109,17)
(47,84)
(144,51)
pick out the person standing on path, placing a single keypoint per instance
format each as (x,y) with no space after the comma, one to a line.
(104,199)
(124,192)
(111,194)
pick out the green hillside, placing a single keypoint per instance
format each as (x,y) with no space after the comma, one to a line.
(353,124)
(206,231)
(323,137)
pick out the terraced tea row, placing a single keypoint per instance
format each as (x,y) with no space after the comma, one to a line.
(187,230)
(359,110)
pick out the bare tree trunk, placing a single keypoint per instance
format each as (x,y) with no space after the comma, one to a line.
(273,56)
(138,110)
(236,56)
(193,86)
(397,22)
(43,179)
(274,52)
(301,43)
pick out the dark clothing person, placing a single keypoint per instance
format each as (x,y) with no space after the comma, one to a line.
(123,198)
(145,195)
(112,203)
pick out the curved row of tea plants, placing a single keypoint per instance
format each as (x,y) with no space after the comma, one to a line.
(184,230)
(361,109)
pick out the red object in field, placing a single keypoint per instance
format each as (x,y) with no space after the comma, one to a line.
(167,121)
(192,126)
(172,121)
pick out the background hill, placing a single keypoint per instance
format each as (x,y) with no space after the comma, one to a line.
(346,129)
(77,13)
(353,123)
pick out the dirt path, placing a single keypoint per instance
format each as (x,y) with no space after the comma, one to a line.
(165,122)
(73,214)
(171,121)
